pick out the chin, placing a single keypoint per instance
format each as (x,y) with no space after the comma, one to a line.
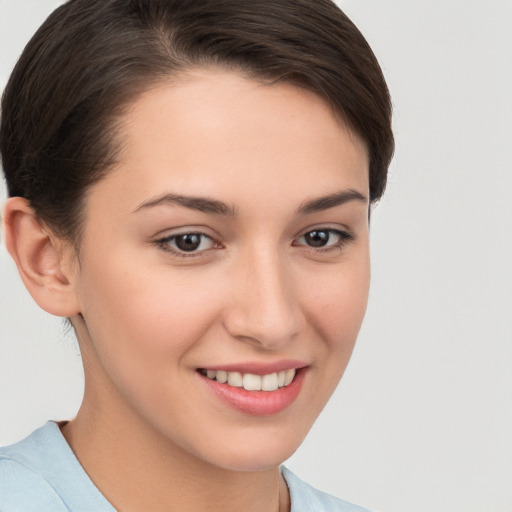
(256,453)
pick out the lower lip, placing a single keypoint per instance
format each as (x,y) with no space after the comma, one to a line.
(258,403)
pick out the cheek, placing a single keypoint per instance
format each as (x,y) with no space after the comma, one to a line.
(141,325)
(337,311)
(147,311)
(339,302)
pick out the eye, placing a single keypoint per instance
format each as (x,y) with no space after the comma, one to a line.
(187,244)
(325,238)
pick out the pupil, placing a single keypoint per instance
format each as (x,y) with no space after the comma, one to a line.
(317,238)
(188,242)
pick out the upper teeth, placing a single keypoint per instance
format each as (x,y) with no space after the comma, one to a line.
(252,382)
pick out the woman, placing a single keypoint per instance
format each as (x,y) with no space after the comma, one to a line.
(190,185)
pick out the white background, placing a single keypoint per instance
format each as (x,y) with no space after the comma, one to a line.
(422,420)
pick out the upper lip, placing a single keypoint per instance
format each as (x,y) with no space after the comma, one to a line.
(257,367)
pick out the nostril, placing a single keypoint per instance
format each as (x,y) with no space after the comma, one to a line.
(269,330)
(263,308)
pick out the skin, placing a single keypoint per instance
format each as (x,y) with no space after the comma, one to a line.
(149,433)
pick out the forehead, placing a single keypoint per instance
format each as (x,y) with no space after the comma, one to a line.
(215,132)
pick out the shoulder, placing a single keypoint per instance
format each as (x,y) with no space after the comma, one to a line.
(305,498)
(22,487)
(41,473)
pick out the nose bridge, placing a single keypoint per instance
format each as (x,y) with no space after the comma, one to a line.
(265,307)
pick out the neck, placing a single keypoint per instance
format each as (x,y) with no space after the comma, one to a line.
(155,474)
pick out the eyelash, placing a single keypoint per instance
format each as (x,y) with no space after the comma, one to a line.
(344,238)
(164,244)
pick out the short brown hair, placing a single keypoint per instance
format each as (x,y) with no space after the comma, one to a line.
(91,58)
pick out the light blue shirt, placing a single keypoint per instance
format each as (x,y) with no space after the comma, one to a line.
(41,473)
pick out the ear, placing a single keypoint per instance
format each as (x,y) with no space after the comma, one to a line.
(44,261)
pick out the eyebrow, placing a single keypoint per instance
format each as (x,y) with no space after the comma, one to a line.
(202,204)
(207,205)
(332,200)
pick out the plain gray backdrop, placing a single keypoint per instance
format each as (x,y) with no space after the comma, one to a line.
(422,420)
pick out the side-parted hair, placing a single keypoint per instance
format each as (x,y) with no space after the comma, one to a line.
(92,58)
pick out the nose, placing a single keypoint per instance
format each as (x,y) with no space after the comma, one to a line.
(264,306)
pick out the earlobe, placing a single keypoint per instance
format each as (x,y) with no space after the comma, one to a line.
(44,261)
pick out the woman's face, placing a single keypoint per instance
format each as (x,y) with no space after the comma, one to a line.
(230,242)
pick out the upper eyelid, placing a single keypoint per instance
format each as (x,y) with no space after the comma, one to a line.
(329,230)
(326,226)
(183,233)
(341,230)
(185,230)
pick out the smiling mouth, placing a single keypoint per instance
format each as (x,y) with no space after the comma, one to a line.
(252,382)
